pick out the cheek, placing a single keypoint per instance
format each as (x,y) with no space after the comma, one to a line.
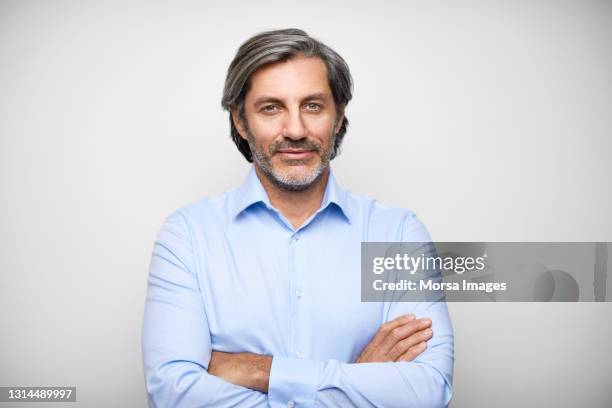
(320,126)
(265,130)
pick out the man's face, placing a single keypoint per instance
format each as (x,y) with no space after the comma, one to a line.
(291,121)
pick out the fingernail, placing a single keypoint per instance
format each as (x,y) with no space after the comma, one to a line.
(428,332)
(409,317)
(426,320)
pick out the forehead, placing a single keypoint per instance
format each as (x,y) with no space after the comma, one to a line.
(299,75)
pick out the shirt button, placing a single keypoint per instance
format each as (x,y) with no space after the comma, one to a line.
(298,354)
(296,238)
(290,404)
(298,293)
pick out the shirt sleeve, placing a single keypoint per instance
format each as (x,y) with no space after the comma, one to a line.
(176,343)
(424,382)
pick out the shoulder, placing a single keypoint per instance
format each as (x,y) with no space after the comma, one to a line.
(403,221)
(206,210)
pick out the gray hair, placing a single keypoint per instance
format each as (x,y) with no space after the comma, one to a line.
(275,46)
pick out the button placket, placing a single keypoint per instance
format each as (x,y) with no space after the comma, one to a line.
(293,285)
(296,297)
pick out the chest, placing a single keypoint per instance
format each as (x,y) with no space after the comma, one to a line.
(289,293)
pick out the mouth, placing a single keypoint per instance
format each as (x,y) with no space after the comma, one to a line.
(295,154)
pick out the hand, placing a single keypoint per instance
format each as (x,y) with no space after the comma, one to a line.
(245,369)
(401,339)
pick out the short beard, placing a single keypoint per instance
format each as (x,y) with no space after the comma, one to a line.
(285,181)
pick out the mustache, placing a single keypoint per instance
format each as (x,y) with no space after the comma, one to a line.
(303,144)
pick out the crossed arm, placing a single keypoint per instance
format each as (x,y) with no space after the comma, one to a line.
(394,370)
(182,369)
(401,339)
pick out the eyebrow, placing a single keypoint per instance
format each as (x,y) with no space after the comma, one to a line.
(265,98)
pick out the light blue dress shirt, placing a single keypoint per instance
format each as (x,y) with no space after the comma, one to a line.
(230,273)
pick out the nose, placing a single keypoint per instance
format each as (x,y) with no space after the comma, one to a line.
(294,126)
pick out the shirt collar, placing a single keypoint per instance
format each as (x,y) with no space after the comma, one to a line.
(252,192)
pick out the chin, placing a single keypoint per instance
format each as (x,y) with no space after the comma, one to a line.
(294,179)
(296,169)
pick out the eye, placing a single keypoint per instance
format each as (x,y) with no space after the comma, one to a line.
(269,108)
(313,107)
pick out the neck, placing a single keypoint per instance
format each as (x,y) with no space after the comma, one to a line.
(296,206)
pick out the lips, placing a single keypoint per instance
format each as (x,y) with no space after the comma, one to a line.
(295,154)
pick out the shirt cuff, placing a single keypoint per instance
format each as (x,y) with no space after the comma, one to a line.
(293,382)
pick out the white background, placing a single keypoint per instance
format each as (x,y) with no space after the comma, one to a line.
(492,121)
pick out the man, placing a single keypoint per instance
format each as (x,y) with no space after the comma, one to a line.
(254,295)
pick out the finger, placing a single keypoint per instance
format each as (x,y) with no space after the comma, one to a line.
(386,328)
(403,346)
(413,352)
(402,332)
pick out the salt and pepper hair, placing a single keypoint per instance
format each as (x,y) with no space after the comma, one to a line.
(276,46)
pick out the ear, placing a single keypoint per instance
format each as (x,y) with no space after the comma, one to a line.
(339,120)
(238,122)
